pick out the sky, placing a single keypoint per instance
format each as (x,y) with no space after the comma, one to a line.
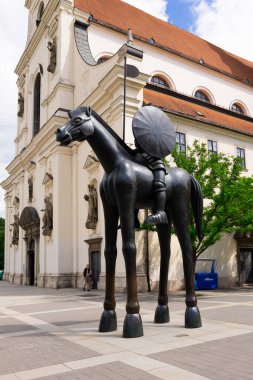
(226,23)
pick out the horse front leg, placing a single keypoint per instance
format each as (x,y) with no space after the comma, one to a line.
(162,310)
(108,321)
(132,324)
(180,219)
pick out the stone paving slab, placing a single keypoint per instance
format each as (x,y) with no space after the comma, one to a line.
(49,306)
(229,358)
(38,350)
(69,317)
(9,324)
(113,371)
(239,297)
(238,314)
(63,342)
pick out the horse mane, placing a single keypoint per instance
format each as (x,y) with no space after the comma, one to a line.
(114,134)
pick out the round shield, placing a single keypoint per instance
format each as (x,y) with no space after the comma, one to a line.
(154,132)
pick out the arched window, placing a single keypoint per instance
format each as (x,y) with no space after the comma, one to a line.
(103,59)
(36,105)
(199,94)
(237,108)
(158,81)
(40,13)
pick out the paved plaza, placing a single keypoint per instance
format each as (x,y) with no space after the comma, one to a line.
(53,334)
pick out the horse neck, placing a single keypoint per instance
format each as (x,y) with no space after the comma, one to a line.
(108,150)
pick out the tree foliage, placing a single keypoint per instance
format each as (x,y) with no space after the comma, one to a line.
(227,193)
(2,224)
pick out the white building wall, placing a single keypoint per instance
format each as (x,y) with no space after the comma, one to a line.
(63,255)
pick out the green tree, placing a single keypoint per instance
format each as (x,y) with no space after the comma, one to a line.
(227,193)
(2,224)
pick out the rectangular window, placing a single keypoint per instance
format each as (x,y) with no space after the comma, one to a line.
(212,146)
(240,152)
(181,142)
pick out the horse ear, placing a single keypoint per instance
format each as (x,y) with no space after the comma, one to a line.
(88,111)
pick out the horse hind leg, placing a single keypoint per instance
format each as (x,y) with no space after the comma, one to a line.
(132,327)
(162,310)
(108,321)
(180,217)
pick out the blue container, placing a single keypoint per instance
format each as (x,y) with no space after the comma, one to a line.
(206,281)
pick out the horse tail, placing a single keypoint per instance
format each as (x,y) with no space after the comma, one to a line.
(197,205)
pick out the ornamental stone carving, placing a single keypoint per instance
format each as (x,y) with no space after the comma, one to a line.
(92,199)
(47,218)
(15,231)
(52,49)
(30,222)
(30,189)
(21,103)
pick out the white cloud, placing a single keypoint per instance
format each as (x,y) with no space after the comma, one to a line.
(156,8)
(13,29)
(225,23)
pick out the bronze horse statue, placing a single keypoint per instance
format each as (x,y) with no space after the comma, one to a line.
(127,186)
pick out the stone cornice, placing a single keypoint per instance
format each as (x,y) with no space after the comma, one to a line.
(91,163)
(21,134)
(28,4)
(38,34)
(42,142)
(112,85)
(60,85)
(8,183)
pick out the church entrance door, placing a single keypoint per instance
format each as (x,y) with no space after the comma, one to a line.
(31,262)
(246,265)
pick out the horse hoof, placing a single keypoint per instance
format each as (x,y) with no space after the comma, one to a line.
(108,321)
(132,326)
(192,318)
(162,314)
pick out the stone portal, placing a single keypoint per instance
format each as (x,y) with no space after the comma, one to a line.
(30,223)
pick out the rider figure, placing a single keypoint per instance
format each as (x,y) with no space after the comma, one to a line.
(159,187)
(155,138)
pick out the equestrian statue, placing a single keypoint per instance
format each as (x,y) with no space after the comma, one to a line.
(133,180)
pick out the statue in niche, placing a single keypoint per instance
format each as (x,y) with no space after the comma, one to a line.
(92,199)
(30,189)
(52,48)
(21,103)
(15,231)
(47,217)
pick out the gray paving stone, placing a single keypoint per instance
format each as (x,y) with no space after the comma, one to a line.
(230,298)
(238,314)
(10,325)
(231,357)
(113,371)
(38,350)
(74,330)
(49,306)
(74,317)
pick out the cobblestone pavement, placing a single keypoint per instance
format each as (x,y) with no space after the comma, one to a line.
(52,334)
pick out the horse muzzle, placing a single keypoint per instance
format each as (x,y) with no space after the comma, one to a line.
(63,137)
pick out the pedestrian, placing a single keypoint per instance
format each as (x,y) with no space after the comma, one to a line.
(87,278)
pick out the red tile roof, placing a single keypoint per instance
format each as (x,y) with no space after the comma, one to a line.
(120,15)
(198,112)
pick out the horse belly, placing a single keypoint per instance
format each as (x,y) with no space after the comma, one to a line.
(144,191)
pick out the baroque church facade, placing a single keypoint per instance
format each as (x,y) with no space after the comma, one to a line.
(75,55)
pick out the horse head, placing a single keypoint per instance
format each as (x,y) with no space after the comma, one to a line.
(78,128)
